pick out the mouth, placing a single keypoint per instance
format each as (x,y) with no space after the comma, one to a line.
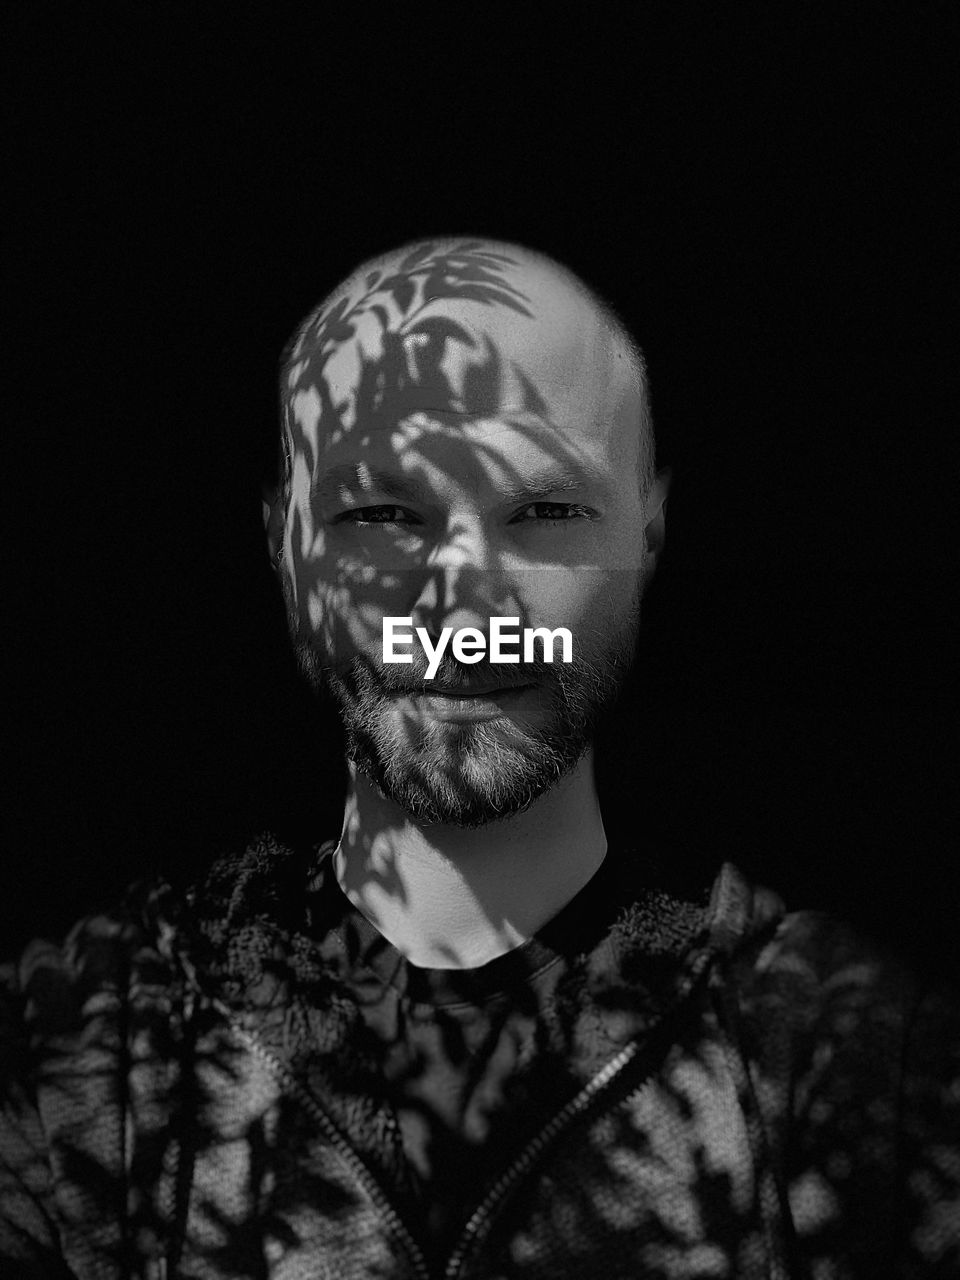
(467,691)
(474,703)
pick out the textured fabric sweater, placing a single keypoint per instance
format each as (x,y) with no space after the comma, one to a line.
(176,1103)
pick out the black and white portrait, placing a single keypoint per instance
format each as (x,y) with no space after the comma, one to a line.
(481,784)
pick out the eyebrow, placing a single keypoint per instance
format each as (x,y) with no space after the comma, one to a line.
(359,477)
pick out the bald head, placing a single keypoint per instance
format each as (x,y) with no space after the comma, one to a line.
(465,329)
(466,439)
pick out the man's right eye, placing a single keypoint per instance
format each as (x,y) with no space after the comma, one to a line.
(389,515)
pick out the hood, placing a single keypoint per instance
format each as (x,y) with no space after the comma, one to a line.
(739,911)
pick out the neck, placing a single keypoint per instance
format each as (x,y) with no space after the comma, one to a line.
(453,897)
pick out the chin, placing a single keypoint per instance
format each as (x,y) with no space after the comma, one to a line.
(462,775)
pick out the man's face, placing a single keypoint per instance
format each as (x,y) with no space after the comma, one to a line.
(464,437)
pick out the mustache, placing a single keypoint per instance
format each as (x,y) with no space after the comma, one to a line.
(452,675)
(369,673)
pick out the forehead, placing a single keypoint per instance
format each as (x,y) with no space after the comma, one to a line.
(431,457)
(483,339)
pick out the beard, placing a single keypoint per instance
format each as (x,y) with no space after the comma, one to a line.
(470,774)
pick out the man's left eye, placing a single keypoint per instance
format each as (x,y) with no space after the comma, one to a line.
(553,511)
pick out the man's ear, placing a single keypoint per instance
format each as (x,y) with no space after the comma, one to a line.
(273,521)
(654,517)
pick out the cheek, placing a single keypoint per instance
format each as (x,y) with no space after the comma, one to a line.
(344,604)
(339,597)
(584,600)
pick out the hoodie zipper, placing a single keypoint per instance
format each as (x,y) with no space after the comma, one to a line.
(480,1220)
(339,1142)
(504,1184)
(483,1214)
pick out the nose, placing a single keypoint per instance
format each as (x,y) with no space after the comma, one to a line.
(464,545)
(464,584)
(457,598)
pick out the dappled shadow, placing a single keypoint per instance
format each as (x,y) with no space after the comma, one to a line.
(375,380)
(229,1088)
(773,1083)
(156,1133)
(419,372)
(365,1041)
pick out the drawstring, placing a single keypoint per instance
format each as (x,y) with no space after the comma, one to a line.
(778,1225)
(181,1174)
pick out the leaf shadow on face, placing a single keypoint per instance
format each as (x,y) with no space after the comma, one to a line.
(403,371)
(412,358)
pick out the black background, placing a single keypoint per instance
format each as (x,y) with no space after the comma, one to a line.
(767,193)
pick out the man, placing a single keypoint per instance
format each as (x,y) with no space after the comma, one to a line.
(468,1038)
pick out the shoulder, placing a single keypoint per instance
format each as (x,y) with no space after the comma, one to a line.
(814,964)
(55,987)
(805,989)
(830,1013)
(855,1060)
(245,911)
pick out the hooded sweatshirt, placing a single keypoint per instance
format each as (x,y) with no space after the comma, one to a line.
(245,1081)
